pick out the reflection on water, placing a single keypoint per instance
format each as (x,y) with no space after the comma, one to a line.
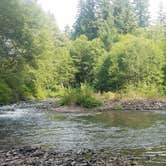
(134,120)
(114,130)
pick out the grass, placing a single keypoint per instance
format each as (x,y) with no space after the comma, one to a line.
(83,96)
(140,92)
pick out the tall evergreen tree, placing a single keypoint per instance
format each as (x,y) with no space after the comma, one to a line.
(123,16)
(95,19)
(86,20)
(141,10)
(106,29)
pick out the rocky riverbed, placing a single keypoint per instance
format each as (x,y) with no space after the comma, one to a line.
(35,156)
(123,104)
(130,104)
(135,104)
(39,157)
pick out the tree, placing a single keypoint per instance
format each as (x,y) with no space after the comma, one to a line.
(102,75)
(123,16)
(141,10)
(31,50)
(15,43)
(85,54)
(132,61)
(105,22)
(86,20)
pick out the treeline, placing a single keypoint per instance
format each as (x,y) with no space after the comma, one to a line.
(112,47)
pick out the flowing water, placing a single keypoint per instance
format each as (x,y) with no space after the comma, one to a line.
(75,131)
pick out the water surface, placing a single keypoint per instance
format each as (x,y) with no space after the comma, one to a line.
(139,132)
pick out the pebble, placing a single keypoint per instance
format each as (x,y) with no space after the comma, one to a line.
(30,156)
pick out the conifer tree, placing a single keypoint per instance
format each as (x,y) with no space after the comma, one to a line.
(141,10)
(86,20)
(123,16)
(106,29)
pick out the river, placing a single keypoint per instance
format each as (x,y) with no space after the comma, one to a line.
(114,130)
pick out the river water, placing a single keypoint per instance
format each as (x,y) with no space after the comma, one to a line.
(76,131)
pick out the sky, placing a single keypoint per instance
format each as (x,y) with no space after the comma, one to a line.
(65,10)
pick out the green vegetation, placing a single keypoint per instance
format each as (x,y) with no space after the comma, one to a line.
(132,61)
(83,96)
(113,48)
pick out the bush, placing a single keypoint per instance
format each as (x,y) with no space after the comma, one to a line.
(89,102)
(69,97)
(25,93)
(83,96)
(143,90)
(56,91)
(5,93)
(132,60)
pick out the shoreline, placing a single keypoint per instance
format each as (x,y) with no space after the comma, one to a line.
(52,104)
(109,105)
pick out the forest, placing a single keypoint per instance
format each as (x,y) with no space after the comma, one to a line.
(113,48)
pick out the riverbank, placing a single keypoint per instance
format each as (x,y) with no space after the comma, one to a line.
(123,104)
(109,105)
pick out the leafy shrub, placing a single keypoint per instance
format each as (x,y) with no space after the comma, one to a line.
(56,91)
(88,102)
(83,96)
(69,97)
(40,92)
(5,93)
(132,60)
(143,90)
(26,93)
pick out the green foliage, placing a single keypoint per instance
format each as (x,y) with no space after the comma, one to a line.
(143,90)
(105,22)
(70,97)
(86,20)
(85,54)
(56,91)
(131,61)
(5,93)
(83,96)
(38,61)
(102,77)
(34,55)
(123,16)
(95,20)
